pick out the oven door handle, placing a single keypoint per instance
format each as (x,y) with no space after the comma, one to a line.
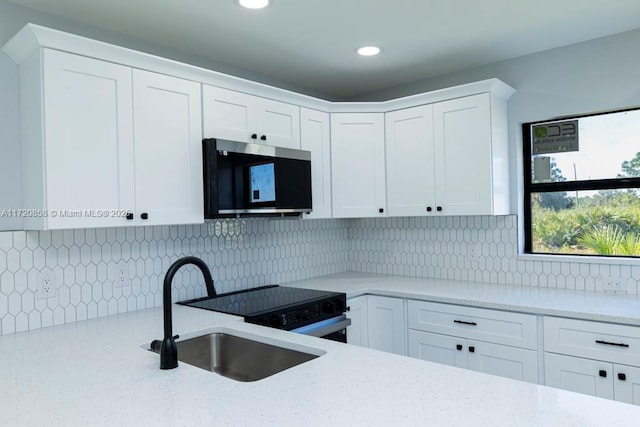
(325,327)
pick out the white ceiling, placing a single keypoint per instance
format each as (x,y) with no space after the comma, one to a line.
(311,43)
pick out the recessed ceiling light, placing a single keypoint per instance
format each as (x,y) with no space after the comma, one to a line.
(254,4)
(368,50)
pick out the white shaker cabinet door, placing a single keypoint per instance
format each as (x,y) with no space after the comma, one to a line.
(357,332)
(410,161)
(278,123)
(438,348)
(87,143)
(627,383)
(316,138)
(463,170)
(387,324)
(511,362)
(168,150)
(585,376)
(228,114)
(357,165)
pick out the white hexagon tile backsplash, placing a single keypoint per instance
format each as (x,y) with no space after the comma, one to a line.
(98,272)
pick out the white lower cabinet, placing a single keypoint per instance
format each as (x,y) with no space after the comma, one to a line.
(357,332)
(377,322)
(580,375)
(511,362)
(474,338)
(599,359)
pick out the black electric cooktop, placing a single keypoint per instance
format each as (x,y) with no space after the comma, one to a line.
(276,306)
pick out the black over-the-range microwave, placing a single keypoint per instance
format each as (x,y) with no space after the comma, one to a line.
(255,179)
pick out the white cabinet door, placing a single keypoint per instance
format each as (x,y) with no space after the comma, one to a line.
(357,332)
(627,384)
(237,116)
(357,165)
(511,362)
(462,132)
(278,123)
(87,144)
(586,376)
(168,150)
(437,348)
(387,325)
(316,138)
(410,161)
(228,114)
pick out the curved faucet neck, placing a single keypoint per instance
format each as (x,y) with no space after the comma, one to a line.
(168,350)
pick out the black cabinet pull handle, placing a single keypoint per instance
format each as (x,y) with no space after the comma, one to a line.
(472,349)
(263,137)
(617,344)
(381,210)
(144,215)
(602,373)
(622,377)
(429,209)
(129,216)
(459,347)
(465,323)
(439,208)
(254,136)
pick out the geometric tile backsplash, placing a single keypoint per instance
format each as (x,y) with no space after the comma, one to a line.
(469,248)
(243,253)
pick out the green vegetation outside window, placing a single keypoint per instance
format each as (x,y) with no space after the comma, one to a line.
(582,185)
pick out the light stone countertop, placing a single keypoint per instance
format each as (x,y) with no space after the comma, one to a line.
(96,373)
(598,306)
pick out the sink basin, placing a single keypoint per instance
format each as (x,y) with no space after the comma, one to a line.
(239,358)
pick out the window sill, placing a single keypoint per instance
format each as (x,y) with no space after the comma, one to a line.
(580,259)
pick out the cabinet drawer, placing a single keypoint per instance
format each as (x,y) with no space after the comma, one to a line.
(593,340)
(500,327)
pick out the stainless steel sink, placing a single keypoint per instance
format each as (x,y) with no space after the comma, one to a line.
(239,358)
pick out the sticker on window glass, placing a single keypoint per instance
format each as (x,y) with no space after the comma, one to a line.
(542,169)
(556,137)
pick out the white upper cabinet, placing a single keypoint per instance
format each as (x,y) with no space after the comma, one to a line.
(116,147)
(77,133)
(241,117)
(410,161)
(448,158)
(316,137)
(357,165)
(168,149)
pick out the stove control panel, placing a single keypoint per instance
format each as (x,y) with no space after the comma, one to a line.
(301,315)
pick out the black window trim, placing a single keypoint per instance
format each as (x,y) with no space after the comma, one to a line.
(531,188)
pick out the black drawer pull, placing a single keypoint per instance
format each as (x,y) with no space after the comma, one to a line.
(465,323)
(602,373)
(622,377)
(617,344)
(459,347)
(472,349)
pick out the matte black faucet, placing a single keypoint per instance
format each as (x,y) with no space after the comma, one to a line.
(169,349)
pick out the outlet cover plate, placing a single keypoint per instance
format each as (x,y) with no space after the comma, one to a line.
(47,285)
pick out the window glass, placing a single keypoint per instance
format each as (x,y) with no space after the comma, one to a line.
(606,142)
(582,185)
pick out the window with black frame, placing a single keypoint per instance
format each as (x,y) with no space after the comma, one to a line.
(582,185)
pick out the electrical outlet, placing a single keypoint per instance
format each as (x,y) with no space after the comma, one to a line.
(121,275)
(47,286)
(614,284)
